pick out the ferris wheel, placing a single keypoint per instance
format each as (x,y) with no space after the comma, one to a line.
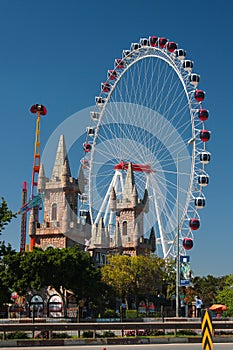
(150,114)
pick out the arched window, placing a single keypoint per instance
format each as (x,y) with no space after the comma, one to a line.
(124,228)
(54,212)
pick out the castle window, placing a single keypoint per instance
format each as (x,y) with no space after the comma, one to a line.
(54,212)
(124,228)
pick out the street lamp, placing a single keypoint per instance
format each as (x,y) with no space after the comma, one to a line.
(177,240)
(190,142)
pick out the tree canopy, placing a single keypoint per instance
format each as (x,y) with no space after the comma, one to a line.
(5,215)
(63,269)
(134,275)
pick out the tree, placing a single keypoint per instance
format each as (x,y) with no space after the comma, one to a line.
(207,287)
(136,275)
(225,296)
(63,269)
(5,290)
(5,215)
(72,269)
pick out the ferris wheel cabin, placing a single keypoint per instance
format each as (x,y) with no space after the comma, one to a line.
(199,202)
(171,46)
(203,114)
(187,243)
(204,157)
(203,180)
(180,54)
(204,135)
(194,224)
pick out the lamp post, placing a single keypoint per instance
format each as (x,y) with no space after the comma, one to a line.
(190,142)
(177,240)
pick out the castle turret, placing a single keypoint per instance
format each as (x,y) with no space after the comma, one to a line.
(152,240)
(61,156)
(145,201)
(113,200)
(134,196)
(65,173)
(41,178)
(128,186)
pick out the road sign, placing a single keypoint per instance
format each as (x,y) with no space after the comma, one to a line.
(207,331)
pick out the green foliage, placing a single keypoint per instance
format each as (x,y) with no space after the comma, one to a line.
(108,334)
(17,335)
(131,313)
(207,288)
(225,296)
(186,332)
(62,269)
(134,275)
(61,336)
(5,215)
(110,313)
(89,334)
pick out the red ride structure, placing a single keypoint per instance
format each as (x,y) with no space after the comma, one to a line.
(35,198)
(39,110)
(23,218)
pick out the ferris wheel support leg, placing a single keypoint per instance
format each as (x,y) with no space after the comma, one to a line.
(106,198)
(161,230)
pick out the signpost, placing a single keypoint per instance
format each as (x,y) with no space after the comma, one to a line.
(207,331)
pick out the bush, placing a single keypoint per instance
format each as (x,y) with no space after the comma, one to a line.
(61,336)
(108,334)
(186,332)
(131,313)
(156,332)
(110,313)
(17,335)
(89,334)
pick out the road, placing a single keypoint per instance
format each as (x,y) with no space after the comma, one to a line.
(226,346)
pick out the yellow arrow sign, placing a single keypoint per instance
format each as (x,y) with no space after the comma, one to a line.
(207,331)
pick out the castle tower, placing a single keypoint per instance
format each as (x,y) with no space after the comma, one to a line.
(130,211)
(59,227)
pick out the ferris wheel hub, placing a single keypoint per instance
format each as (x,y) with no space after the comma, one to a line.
(145,168)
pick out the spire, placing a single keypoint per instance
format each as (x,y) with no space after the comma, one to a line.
(145,201)
(136,233)
(129,183)
(118,242)
(41,178)
(61,156)
(101,233)
(113,200)
(134,196)
(65,172)
(152,240)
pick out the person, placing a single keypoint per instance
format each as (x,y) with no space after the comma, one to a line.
(198,306)
(182,306)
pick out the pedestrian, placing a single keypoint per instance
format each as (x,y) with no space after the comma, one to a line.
(198,306)
(182,306)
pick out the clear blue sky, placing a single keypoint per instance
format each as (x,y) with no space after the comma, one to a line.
(57,52)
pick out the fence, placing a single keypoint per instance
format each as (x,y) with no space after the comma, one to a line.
(178,324)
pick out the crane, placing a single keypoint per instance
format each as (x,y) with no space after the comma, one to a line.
(35,197)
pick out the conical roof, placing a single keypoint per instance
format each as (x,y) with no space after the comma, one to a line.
(61,156)
(129,184)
